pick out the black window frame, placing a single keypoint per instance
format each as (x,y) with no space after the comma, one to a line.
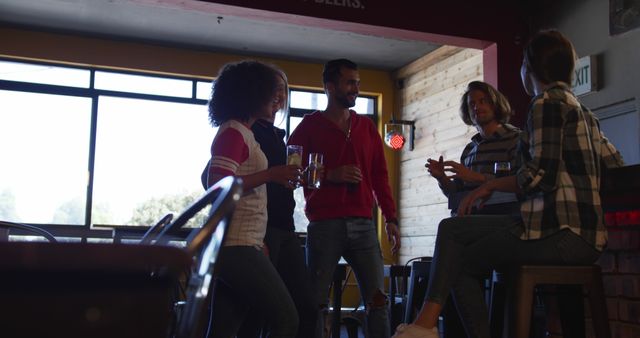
(94,94)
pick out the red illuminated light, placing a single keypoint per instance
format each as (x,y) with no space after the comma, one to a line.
(616,218)
(396,141)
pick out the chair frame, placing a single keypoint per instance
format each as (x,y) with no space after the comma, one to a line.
(103,274)
(156,229)
(30,228)
(203,245)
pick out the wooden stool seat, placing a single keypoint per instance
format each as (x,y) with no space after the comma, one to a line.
(528,276)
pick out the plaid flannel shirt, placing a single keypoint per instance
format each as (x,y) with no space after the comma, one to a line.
(563,150)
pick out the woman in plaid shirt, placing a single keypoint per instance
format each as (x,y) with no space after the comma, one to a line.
(563,152)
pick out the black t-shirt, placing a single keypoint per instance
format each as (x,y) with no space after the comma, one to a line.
(280,202)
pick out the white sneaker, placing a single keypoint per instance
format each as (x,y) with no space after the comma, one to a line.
(415,331)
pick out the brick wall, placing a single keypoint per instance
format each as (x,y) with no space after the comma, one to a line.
(621,276)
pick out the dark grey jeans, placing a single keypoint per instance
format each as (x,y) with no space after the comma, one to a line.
(287,255)
(355,239)
(248,280)
(468,249)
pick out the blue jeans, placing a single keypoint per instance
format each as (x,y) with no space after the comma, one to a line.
(248,280)
(356,240)
(468,248)
(287,255)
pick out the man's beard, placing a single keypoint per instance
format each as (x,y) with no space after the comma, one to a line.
(484,120)
(344,101)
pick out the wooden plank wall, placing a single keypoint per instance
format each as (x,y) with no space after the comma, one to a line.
(430,92)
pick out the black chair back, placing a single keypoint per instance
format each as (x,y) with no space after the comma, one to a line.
(29,229)
(115,290)
(156,229)
(204,245)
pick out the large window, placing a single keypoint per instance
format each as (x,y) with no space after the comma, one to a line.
(86,147)
(45,151)
(149,156)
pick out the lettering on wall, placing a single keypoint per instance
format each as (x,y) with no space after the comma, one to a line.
(352,4)
(585,76)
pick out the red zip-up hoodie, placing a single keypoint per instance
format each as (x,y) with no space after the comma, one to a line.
(362,147)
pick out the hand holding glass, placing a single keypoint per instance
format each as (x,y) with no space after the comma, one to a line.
(294,157)
(313,170)
(502,169)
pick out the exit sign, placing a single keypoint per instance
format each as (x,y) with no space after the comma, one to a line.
(585,76)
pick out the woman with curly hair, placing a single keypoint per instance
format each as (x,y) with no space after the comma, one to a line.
(244,92)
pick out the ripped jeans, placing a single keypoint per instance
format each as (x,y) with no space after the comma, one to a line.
(355,239)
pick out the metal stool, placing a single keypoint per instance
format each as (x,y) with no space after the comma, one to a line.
(397,292)
(528,276)
(450,324)
(419,275)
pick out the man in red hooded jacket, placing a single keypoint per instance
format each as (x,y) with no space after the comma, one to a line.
(340,212)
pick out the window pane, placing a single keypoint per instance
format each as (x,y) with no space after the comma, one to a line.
(364,106)
(143,84)
(293,123)
(203,90)
(308,100)
(299,218)
(45,147)
(149,157)
(318,101)
(27,238)
(45,74)
(280,121)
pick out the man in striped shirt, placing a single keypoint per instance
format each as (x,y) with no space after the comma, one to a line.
(488,110)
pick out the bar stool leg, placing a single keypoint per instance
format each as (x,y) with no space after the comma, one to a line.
(408,310)
(337,308)
(523,306)
(497,303)
(570,306)
(598,306)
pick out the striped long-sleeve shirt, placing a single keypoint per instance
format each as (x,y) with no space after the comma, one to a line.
(482,152)
(563,150)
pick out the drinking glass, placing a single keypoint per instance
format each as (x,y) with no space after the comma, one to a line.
(315,164)
(294,157)
(502,169)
